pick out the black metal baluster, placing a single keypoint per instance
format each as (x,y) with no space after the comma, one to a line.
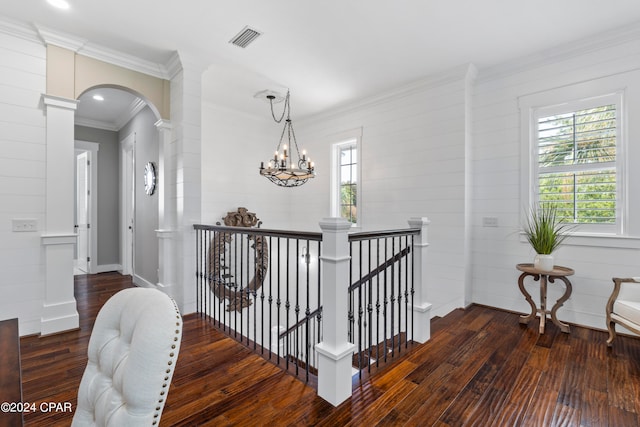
(307,311)
(399,295)
(297,307)
(370,306)
(378,304)
(262,296)
(361,325)
(278,303)
(413,266)
(270,300)
(222,281)
(406,293)
(386,302)
(198,273)
(254,290)
(287,303)
(236,277)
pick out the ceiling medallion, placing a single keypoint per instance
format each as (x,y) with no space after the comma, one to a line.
(284,170)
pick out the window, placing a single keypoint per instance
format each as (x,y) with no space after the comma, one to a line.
(577,164)
(575,161)
(348,183)
(345,191)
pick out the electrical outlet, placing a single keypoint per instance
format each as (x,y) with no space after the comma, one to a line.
(489,221)
(20,225)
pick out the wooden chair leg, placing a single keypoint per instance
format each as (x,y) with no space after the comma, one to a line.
(612,333)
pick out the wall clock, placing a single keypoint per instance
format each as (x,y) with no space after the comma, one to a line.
(149,178)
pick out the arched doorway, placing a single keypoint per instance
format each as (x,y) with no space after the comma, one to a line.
(122,123)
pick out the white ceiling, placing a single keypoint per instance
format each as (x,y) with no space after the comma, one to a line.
(328,52)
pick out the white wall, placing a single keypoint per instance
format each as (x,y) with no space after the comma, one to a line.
(496,165)
(146,206)
(414,143)
(108,188)
(233,145)
(22,179)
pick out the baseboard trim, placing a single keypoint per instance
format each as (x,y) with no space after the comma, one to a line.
(106,268)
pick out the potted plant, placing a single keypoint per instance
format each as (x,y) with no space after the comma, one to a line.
(545,231)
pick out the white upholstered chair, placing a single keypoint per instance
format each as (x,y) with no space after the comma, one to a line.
(624,307)
(132,352)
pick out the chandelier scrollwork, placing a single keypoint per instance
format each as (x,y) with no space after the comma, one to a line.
(288,167)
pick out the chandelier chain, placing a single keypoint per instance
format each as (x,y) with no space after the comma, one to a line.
(286,109)
(282,170)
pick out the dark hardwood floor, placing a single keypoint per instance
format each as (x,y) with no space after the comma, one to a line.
(480,368)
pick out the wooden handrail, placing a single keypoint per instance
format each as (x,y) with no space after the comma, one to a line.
(379,269)
(306,318)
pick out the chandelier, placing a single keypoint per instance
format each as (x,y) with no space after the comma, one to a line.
(285,170)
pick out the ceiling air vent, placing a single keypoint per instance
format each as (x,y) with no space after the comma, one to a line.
(244,37)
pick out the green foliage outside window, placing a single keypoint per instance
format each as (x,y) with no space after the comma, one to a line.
(577,173)
(348,205)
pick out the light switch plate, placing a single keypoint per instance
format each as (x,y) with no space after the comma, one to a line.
(489,221)
(19,225)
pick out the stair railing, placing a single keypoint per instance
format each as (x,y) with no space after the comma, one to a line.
(310,301)
(381,295)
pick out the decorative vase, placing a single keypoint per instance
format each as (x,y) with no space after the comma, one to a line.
(543,262)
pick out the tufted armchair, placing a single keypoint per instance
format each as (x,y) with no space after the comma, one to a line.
(623,307)
(133,350)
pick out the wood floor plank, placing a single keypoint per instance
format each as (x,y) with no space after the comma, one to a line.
(543,404)
(480,368)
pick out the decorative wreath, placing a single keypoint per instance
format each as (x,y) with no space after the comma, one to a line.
(221,283)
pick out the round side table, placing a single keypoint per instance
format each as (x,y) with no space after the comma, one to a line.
(558,272)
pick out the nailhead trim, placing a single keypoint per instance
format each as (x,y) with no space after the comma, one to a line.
(168,370)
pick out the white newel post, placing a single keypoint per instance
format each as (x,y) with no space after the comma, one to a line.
(421,307)
(59,312)
(166,218)
(335,351)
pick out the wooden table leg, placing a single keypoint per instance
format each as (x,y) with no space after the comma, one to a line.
(543,302)
(567,293)
(527,317)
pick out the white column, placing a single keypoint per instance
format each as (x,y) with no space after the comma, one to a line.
(166,210)
(421,307)
(59,312)
(335,351)
(186,107)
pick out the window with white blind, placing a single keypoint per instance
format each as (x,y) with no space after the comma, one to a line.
(575,161)
(577,164)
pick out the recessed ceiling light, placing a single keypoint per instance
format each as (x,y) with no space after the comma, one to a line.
(98,97)
(60,4)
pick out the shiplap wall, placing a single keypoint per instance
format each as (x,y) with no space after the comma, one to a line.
(414,143)
(496,164)
(22,179)
(233,144)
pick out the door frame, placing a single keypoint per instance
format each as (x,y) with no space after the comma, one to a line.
(127,203)
(91,148)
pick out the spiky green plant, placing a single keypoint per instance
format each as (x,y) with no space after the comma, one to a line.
(544,229)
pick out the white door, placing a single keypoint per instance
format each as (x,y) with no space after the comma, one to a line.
(128,204)
(83,214)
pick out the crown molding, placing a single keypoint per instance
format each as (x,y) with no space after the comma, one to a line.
(97,124)
(562,52)
(56,38)
(129,113)
(18,29)
(124,60)
(174,65)
(83,47)
(462,73)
